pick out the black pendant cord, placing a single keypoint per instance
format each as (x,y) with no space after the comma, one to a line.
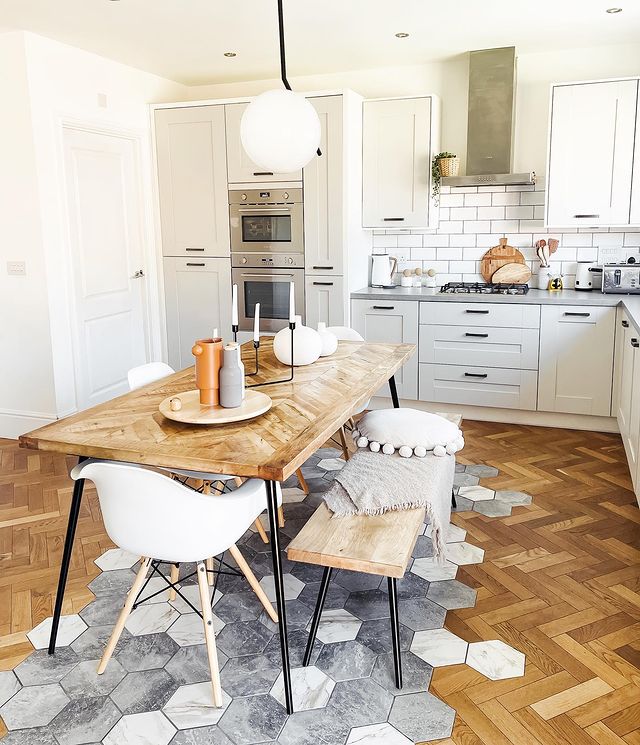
(283,61)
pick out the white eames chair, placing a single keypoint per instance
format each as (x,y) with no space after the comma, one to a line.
(158,518)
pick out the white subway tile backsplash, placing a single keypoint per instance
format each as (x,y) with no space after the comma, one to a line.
(565,254)
(491,189)
(423,254)
(609,239)
(477,226)
(576,239)
(505,198)
(450,226)
(631,239)
(444,213)
(519,212)
(385,241)
(467,190)
(465,267)
(477,200)
(463,213)
(409,241)
(491,213)
(463,240)
(532,197)
(531,226)
(538,212)
(505,226)
(435,241)
(449,254)
(452,200)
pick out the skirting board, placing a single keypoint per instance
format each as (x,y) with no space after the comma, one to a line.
(14,423)
(511,416)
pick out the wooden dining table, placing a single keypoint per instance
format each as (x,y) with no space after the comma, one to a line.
(305,413)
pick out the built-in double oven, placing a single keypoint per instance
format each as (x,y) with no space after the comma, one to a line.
(267,253)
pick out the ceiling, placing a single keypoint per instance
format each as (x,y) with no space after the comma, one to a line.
(184,40)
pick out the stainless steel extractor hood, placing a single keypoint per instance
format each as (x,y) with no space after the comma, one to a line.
(490,123)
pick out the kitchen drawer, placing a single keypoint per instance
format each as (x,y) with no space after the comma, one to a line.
(510,315)
(478,386)
(479,345)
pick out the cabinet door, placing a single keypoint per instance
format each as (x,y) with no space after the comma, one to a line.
(197,300)
(394,322)
(192,181)
(635,179)
(632,436)
(241,168)
(324,300)
(323,218)
(591,154)
(576,359)
(625,362)
(396,163)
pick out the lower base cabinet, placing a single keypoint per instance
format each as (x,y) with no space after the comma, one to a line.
(324,301)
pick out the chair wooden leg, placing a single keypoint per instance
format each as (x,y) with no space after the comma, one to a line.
(255,585)
(303,483)
(124,614)
(175,573)
(207,619)
(343,442)
(210,566)
(237,480)
(261,531)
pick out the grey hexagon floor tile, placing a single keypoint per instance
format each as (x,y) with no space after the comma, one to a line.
(146,652)
(360,702)
(416,673)
(192,593)
(189,629)
(331,464)
(307,572)
(422,716)
(103,611)
(151,619)
(423,548)
(298,616)
(192,706)
(482,471)
(311,688)
(146,728)
(465,479)
(368,604)
(338,626)
(410,586)
(146,690)
(91,644)
(494,508)
(245,637)
(302,728)
(513,497)
(191,664)
(9,686)
(69,630)
(298,639)
(377,734)
(84,680)
(41,668)
(85,720)
(336,597)
(238,606)
(346,660)
(462,505)
(464,553)
(116,558)
(476,493)
(33,736)
(439,647)
(496,660)
(452,534)
(376,635)
(421,613)
(34,706)
(452,594)
(292,587)
(249,675)
(212,735)
(117,582)
(356,581)
(432,570)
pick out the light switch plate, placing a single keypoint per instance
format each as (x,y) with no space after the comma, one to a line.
(16,268)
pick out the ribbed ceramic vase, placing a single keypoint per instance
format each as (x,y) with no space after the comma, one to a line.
(306,342)
(329,340)
(231,378)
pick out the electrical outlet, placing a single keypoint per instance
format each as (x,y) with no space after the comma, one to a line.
(611,254)
(16,268)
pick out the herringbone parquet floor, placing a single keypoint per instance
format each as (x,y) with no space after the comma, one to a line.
(560,582)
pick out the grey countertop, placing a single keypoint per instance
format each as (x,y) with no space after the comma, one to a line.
(533,297)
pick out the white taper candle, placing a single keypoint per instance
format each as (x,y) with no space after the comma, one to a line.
(256,323)
(234,305)
(292,303)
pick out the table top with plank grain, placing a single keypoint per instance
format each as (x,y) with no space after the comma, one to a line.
(304,414)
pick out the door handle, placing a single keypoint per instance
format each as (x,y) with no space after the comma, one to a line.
(195,263)
(138,274)
(326,268)
(480,336)
(393,219)
(194,249)
(580,315)
(383,307)
(263,173)
(476,375)
(635,343)
(586,216)
(483,312)
(266,276)
(324,284)
(625,324)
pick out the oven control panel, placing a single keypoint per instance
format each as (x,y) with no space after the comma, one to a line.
(268,261)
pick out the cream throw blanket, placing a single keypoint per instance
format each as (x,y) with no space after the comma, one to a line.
(373,483)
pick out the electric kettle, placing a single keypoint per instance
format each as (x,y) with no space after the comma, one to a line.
(382,270)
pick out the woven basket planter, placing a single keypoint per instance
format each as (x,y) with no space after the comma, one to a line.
(449,166)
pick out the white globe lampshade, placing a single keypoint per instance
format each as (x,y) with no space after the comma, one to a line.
(280,131)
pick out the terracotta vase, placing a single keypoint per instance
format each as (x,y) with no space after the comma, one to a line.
(208,354)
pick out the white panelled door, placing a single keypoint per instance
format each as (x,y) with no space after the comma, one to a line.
(104,210)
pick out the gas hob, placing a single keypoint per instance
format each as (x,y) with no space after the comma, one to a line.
(483,288)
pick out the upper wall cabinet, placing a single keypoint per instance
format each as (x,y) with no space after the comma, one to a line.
(399,138)
(591,149)
(240,167)
(192,181)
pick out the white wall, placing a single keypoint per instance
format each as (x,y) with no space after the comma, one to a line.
(449,80)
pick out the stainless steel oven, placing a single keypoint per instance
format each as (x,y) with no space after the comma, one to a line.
(266,221)
(270,288)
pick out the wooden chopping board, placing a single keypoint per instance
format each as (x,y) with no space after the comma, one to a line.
(512,274)
(497,257)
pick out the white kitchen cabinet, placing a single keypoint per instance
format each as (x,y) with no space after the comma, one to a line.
(324,300)
(390,322)
(576,359)
(400,136)
(197,300)
(192,181)
(635,179)
(241,169)
(323,190)
(631,438)
(591,147)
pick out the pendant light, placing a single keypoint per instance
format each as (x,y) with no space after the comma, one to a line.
(280,129)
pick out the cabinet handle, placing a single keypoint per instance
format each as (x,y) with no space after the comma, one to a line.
(476,375)
(384,307)
(625,324)
(324,284)
(480,336)
(483,312)
(393,219)
(194,249)
(581,315)
(263,173)
(327,268)
(635,343)
(194,263)
(585,216)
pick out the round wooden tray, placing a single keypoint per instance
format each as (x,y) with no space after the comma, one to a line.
(192,412)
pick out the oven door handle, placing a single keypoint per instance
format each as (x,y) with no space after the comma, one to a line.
(260,210)
(268,273)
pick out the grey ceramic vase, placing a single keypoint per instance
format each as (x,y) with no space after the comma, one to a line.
(231,378)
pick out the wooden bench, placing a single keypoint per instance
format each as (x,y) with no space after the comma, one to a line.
(374,544)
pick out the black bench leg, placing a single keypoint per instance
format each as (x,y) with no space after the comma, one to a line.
(454,504)
(315,621)
(394,392)
(395,630)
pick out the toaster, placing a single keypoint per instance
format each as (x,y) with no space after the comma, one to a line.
(621,278)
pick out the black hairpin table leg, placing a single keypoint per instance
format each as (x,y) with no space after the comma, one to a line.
(394,392)
(315,621)
(74,512)
(272,506)
(395,630)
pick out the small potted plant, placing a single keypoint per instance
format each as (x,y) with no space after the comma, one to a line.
(443,164)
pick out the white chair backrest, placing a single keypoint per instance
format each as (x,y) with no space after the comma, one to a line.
(344,333)
(151,515)
(143,374)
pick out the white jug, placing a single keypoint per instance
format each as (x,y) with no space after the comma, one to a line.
(382,270)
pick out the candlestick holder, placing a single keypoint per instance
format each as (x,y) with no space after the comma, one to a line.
(256,345)
(234,331)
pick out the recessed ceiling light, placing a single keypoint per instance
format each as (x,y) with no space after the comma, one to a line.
(229,54)
(402,35)
(614,10)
